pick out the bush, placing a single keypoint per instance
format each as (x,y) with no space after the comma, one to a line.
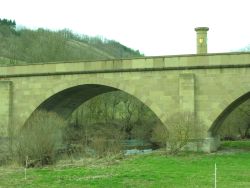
(94,139)
(5,153)
(103,146)
(179,130)
(40,138)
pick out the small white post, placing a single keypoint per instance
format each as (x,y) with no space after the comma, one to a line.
(215,181)
(25,169)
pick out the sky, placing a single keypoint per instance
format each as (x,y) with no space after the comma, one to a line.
(154,27)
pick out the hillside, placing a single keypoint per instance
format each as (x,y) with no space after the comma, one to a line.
(36,46)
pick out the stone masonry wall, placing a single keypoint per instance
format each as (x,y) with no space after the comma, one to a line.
(5,107)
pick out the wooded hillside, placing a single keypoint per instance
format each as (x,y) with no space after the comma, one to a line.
(18,46)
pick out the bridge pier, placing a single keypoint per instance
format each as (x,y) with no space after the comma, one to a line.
(187,93)
(207,145)
(210,144)
(187,104)
(5,108)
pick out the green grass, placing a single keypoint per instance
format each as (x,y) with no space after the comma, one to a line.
(7,61)
(186,170)
(239,144)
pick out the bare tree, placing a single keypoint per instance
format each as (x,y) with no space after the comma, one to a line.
(180,128)
(40,138)
(245,111)
(237,123)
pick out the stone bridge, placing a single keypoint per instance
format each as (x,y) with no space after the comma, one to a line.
(209,85)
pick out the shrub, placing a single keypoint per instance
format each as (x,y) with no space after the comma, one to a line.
(5,153)
(40,138)
(104,146)
(179,130)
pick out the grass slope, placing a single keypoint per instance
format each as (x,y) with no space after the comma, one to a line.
(188,170)
(86,47)
(7,61)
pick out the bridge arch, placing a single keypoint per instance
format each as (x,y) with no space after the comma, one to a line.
(65,101)
(225,113)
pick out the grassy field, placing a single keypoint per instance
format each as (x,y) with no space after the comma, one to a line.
(154,170)
(239,144)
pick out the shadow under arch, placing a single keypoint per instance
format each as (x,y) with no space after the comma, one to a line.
(223,115)
(66,101)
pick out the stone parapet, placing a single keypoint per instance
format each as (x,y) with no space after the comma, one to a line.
(163,63)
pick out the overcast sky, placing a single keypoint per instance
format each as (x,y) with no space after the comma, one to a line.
(155,27)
